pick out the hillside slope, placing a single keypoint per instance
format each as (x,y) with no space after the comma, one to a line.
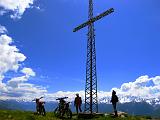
(23,115)
(132,108)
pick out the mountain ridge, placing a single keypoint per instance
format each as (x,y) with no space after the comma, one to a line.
(133,108)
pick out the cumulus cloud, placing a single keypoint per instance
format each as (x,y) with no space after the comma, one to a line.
(144,88)
(2,29)
(9,55)
(28,72)
(19,88)
(69,94)
(11,59)
(16,81)
(16,7)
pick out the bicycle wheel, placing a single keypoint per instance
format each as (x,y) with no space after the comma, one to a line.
(69,114)
(43,111)
(57,112)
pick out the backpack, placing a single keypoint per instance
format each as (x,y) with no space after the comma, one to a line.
(116,98)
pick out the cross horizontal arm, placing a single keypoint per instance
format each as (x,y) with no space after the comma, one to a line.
(93,19)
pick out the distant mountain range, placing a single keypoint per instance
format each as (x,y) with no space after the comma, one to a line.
(133,108)
(124,99)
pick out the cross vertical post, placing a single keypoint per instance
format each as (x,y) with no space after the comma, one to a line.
(91,100)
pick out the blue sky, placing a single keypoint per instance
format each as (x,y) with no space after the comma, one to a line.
(127,42)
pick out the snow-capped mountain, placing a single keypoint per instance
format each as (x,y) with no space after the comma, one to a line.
(126,99)
(136,108)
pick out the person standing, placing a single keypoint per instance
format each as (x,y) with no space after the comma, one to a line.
(77,103)
(114,101)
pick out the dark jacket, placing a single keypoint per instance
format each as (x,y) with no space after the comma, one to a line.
(114,99)
(78,101)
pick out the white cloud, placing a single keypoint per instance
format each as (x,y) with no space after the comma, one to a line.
(14,82)
(20,88)
(10,57)
(28,72)
(70,94)
(18,7)
(156,80)
(143,88)
(10,60)
(2,12)
(2,29)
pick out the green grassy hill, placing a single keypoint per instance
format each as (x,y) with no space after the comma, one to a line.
(23,115)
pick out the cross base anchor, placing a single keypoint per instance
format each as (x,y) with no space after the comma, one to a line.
(90,115)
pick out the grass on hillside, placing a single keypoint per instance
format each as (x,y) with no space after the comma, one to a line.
(23,115)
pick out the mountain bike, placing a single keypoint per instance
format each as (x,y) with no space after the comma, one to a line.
(40,109)
(63,110)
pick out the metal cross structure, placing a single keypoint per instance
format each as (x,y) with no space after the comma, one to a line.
(91,100)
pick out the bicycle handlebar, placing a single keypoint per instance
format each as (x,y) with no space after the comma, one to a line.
(37,98)
(62,98)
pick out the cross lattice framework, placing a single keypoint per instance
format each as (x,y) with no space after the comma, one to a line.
(91,100)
